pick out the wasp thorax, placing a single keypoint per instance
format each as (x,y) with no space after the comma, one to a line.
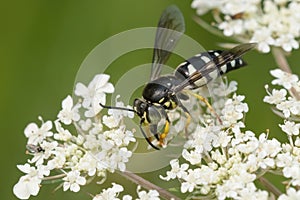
(155,92)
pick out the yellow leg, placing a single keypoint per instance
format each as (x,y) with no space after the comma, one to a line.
(165,133)
(201,98)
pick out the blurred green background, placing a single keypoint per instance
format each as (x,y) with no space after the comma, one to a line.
(43,44)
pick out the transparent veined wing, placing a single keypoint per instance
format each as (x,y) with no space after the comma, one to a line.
(170,27)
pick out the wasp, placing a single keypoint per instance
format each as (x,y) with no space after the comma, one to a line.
(164,93)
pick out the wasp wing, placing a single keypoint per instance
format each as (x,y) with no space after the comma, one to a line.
(212,68)
(170,27)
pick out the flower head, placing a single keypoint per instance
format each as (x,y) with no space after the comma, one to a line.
(35,134)
(29,184)
(73,180)
(69,112)
(267,22)
(94,93)
(284,79)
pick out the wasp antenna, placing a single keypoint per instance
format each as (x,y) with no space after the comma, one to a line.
(117,108)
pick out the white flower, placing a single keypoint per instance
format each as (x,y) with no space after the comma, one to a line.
(291,128)
(35,134)
(293,172)
(250,193)
(201,139)
(110,121)
(96,128)
(270,147)
(127,197)
(284,159)
(231,27)
(269,23)
(284,79)
(297,142)
(120,137)
(85,124)
(226,89)
(91,142)
(116,115)
(69,112)
(291,194)
(73,180)
(88,163)
(287,42)
(118,159)
(204,6)
(194,156)
(263,38)
(288,107)
(58,160)
(177,171)
(233,110)
(218,157)
(222,140)
(276,97)
(62,134)
(110,193)
(150,195)
(94,93)
(28,184)
(190,181)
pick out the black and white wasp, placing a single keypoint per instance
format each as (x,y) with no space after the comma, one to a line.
(163,92)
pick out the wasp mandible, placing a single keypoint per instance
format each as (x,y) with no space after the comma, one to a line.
(163,93)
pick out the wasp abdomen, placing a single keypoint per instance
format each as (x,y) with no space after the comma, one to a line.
(198,63)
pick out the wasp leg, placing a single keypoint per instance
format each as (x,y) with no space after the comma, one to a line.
(164,134)
(204,100)
(148,139)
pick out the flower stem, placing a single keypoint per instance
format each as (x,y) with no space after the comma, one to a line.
(281,60)
(265,182)
(148,185)
(54,177)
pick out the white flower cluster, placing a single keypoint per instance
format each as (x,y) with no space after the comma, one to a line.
(286,104)
(267,22)
(221,161)
(76,158)
(113,194)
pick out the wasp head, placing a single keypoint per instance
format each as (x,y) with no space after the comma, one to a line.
(140,106)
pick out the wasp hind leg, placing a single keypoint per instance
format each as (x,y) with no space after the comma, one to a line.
(204,100)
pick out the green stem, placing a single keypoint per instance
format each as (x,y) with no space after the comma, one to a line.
(148,185)
(54,177)
(269,186)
